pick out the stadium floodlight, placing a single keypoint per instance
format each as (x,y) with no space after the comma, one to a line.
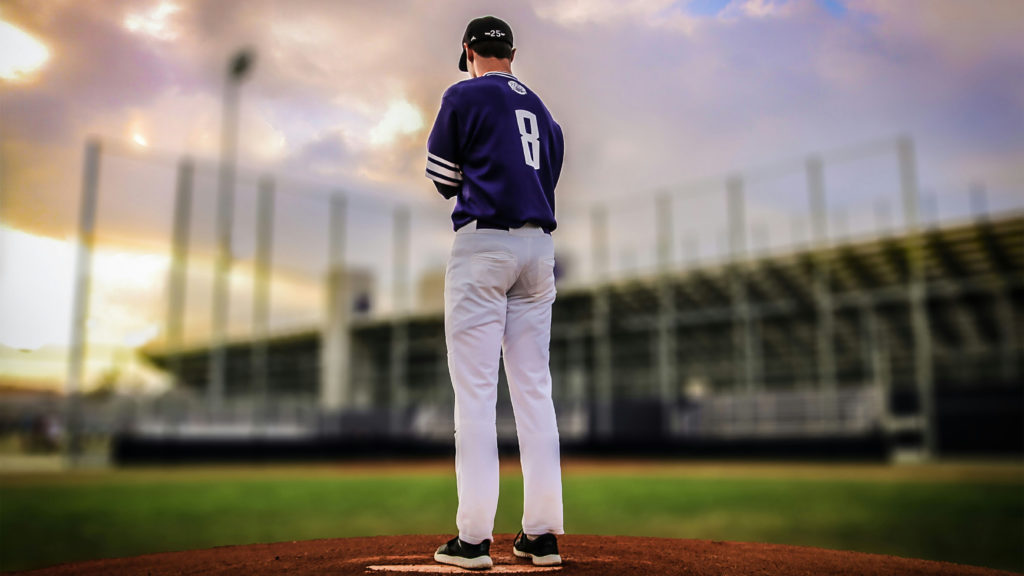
(240,64)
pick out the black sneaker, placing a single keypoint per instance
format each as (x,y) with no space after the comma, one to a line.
(465,555)
(543,550)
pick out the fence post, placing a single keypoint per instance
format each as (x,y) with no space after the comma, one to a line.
(917,295)
(825,325)
(603,364)
(178,278)
(335,378)
(743,332)
(666,321)
(400,329)
(80,304)
(261,295)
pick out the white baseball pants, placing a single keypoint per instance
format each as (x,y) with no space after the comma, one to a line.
(499,287)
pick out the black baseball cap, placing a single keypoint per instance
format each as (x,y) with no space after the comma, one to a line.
(485,28)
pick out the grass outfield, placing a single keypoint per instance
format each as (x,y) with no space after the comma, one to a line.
(961,513)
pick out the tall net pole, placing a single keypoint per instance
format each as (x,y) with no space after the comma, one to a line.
(80,310)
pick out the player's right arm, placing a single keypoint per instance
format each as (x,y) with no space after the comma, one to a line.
(443,158)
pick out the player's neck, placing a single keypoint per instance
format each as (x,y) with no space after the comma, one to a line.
(485,65)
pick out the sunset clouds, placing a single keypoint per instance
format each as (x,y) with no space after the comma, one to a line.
(650,94)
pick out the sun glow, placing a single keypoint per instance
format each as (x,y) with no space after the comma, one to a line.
(125,310)
(140,139)
(400,118)
(35,303)
(127,304)
(20,53)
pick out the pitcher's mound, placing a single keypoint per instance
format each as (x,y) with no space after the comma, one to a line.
(591,555)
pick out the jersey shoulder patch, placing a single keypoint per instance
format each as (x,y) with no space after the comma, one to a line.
(517,87)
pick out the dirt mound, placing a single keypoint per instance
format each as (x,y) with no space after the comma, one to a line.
(591,555)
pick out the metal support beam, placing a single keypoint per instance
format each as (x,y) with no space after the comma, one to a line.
(824,309)
(1002,294)
(603,394)
(400,329)
(883,217)
(917,295)
(177,282)
(664,232)
(878,362)
(80,305)
(335,352)
(261,295)
(666,346)
(1009,334)
(743,337)
(576,369)
(691,251)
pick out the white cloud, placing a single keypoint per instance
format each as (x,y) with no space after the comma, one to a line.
(400,118)
(958,33)
(758,8)
(579,13)
(157,22)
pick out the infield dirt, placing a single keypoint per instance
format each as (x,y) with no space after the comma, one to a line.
(591,555)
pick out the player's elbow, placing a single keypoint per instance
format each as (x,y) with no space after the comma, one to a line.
(446,191)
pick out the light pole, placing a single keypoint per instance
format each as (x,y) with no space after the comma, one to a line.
(238,67)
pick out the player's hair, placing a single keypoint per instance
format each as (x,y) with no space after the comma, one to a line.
(493,49)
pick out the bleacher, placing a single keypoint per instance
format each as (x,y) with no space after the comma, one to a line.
(821,342)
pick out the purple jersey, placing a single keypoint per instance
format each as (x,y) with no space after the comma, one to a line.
(495,146)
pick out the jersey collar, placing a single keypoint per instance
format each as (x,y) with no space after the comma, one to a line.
(495,73)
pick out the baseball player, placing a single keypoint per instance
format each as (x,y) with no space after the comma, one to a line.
(495,148)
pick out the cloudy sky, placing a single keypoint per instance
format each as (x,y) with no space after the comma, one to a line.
(651,94)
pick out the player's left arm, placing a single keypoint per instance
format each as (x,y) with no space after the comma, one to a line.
(557,152)
(442,149)
(446,190)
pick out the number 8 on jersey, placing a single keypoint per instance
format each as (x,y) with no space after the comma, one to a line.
(530,138)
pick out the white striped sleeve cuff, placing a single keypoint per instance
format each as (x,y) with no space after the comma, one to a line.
(442,171)
(438,160)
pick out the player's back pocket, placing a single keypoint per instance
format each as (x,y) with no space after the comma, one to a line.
(494,269)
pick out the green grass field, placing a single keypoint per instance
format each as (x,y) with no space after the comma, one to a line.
(967,513)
